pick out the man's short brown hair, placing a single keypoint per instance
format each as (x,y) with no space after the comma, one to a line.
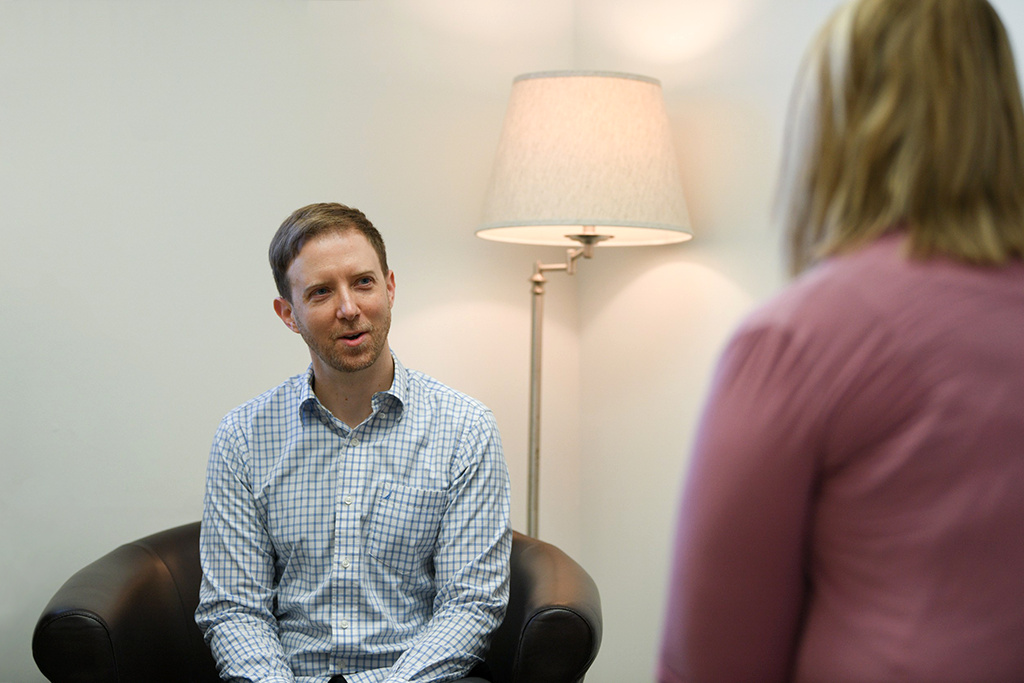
(311,222)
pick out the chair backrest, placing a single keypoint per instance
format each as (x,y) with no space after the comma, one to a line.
(128,617)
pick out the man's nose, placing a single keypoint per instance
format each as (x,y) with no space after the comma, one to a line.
(348,309)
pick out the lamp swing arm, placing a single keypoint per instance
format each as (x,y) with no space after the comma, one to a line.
(587,239)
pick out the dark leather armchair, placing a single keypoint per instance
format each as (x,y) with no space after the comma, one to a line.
(127,618)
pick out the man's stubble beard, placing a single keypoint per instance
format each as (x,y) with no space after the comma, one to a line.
(333,355)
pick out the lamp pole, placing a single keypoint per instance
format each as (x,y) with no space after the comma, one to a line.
(587,241)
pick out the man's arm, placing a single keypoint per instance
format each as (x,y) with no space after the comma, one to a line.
(471,564)
(237,592)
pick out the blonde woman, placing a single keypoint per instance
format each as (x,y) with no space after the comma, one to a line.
(855,506)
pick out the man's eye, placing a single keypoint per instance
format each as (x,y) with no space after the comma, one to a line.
(365,281)
(319,291)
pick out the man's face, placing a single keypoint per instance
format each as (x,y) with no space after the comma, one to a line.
(341,301)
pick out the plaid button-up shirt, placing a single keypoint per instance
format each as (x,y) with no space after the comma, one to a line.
(379,552)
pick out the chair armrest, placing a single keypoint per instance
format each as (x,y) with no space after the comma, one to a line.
(552,630)
(121,618)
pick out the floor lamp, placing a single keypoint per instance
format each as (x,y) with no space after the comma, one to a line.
(585,160)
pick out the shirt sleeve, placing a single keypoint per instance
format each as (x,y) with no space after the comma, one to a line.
(738,581)
(471,564)
(237,591)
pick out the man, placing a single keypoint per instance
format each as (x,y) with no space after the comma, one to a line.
(356,524)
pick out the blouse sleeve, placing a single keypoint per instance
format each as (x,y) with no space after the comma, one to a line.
(738,581)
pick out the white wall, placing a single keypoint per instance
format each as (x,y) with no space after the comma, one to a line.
(149,149)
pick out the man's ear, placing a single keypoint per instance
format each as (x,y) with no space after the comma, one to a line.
(283,308)
(391,288)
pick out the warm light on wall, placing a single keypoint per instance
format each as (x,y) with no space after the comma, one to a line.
(665,31)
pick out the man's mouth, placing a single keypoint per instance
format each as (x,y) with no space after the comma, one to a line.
(353,339)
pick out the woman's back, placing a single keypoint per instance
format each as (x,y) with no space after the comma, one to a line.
(856,501)
(915,554)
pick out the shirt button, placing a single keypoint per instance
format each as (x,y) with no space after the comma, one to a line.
(344,623)
(353,442)
(345,564)
(347,500)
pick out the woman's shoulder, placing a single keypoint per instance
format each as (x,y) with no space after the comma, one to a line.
(838,292)
(880,294)
(882,282)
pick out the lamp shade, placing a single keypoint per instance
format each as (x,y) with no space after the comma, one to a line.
(580,149)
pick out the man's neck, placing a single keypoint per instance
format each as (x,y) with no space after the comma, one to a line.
(348,395)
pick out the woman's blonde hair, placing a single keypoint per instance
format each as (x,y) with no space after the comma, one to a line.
(907,116)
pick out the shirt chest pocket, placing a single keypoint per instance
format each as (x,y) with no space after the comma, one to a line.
(403,526)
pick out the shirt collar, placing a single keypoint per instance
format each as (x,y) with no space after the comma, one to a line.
(306,388)
(399,390)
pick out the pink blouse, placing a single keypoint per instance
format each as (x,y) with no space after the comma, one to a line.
(854,509)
